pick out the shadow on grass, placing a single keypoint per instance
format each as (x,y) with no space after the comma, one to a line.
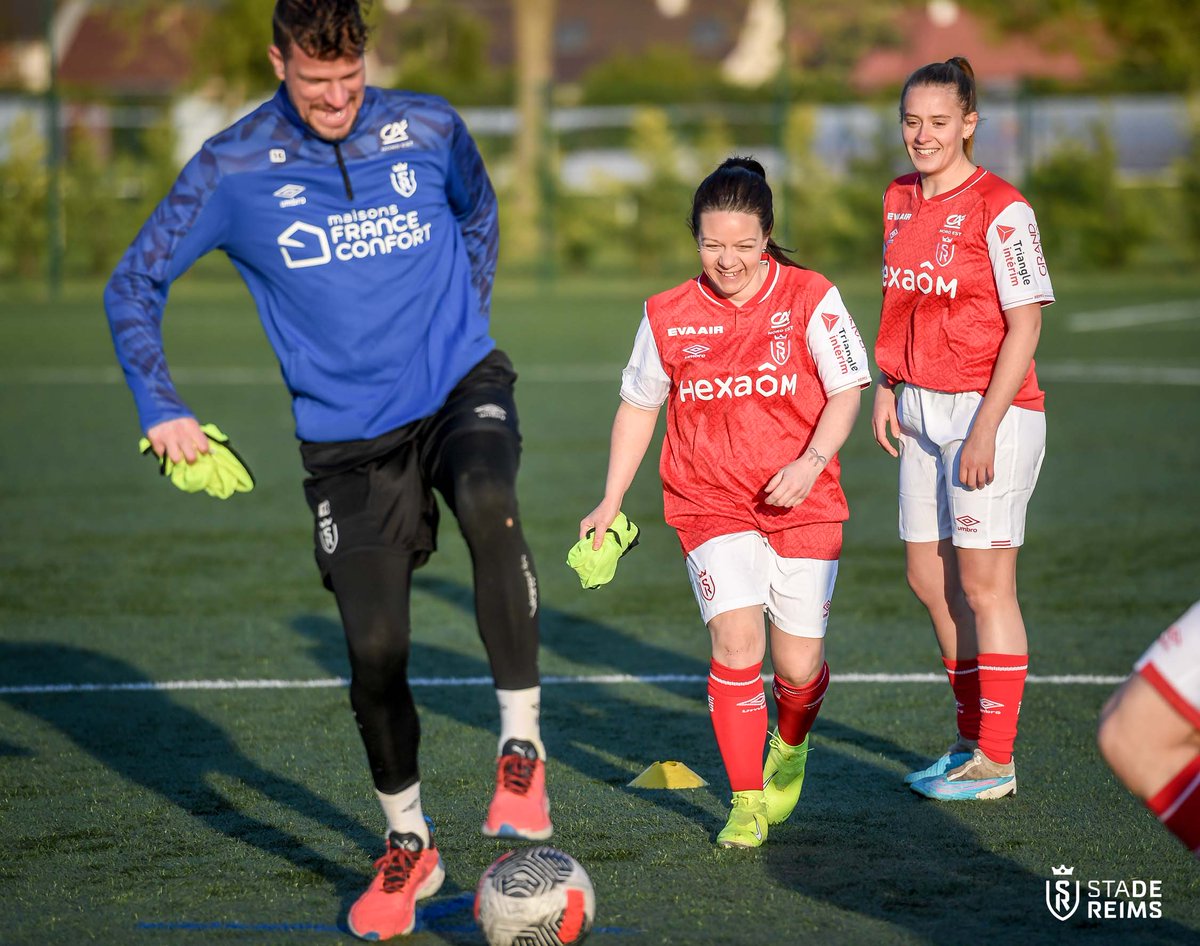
(860,840)
(584,727)
(149,739)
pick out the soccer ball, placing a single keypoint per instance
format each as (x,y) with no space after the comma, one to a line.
(535,896)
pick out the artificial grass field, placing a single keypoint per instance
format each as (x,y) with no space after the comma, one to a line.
(138,814)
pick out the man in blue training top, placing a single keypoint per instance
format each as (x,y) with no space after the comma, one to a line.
(364,225)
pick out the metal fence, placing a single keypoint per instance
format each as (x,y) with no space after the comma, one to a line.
(1150,133)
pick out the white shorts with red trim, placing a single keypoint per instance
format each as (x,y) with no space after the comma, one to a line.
(934,504)
(1172,665)
(742,570)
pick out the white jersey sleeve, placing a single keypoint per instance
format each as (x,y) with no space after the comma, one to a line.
(1015,248)
(836,346)
(644,383)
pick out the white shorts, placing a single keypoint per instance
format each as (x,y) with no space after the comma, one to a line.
(1172,665)
(742,570)
(934,504)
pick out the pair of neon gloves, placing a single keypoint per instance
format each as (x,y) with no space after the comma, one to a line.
(596,567)
(220,472)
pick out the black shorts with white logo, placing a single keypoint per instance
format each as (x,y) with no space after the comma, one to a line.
(377,494)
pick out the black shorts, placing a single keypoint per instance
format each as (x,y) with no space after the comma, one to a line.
(377,494)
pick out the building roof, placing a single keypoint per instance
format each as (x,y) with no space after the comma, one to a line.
(147,55)
(942,29)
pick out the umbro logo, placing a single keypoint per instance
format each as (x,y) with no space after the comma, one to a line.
(289,195)
(967,522)
(989,706)
(754,703)
(695,351)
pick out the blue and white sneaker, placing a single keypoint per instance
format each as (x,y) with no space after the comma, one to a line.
(952,758)
(977,779)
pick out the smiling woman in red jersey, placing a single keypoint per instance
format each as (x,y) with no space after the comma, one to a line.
(964,283)
(761,369)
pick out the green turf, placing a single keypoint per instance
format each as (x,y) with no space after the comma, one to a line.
(127,815)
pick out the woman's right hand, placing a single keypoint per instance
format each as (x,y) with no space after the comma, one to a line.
(599,519)
(884,419)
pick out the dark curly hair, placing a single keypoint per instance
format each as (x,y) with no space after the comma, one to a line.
(324,29)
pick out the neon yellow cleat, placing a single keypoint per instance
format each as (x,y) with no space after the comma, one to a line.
(783,777)
(747,824)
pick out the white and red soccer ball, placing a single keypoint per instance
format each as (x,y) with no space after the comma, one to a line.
(535,896)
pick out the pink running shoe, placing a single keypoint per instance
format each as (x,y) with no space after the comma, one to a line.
(409,871)
(520,808)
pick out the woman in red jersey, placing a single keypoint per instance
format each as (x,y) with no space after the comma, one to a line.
(964,282)
(761,368)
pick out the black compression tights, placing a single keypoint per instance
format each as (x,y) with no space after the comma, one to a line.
(477,478)
(372,591)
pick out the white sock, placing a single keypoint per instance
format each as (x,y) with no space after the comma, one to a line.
(520,717)
(403,811)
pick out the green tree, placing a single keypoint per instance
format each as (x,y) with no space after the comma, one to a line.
(1189,186)
(1084,217)
(659,234)
(24,191)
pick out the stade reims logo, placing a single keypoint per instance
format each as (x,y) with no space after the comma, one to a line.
(1004,233)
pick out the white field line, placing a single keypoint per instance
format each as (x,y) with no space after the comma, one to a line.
(1104,320)
(1115,373)
(1058,371)
(609,678)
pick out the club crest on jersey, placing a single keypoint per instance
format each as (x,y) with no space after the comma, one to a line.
(327,530)
(404,180)
(781,349)
(708,587)
(945,253)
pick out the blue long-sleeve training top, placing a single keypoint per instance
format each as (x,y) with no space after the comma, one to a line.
(370,260)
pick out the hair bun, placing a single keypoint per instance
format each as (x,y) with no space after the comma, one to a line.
(962,63)
(745,163)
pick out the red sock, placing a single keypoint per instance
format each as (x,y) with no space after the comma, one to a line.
(738,707)
(964,680)
(798,707)
(1177,806)
(1001,683)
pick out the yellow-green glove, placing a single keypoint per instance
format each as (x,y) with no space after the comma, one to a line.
(220,472)
(597,567)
